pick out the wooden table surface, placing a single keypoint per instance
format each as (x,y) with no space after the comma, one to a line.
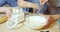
(53,28)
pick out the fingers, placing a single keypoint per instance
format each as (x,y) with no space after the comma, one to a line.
(6,10)
(8,13)
(42,2)
(20,2)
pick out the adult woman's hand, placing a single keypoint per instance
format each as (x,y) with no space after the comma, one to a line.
(6,10)
(8,14)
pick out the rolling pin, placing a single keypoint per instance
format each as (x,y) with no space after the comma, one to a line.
(3,19)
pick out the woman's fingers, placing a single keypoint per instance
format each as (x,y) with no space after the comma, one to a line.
(6,10)
(8,13)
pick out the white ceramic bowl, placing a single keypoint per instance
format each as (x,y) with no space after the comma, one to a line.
(36,22)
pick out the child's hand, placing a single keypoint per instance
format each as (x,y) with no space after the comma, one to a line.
(6,10)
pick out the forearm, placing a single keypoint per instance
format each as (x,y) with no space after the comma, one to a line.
(56,17)
(51,19)
(32,5)
(29,5)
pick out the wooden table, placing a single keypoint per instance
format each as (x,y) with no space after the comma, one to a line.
(53,28)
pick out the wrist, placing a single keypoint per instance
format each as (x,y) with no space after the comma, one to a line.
(50,21)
